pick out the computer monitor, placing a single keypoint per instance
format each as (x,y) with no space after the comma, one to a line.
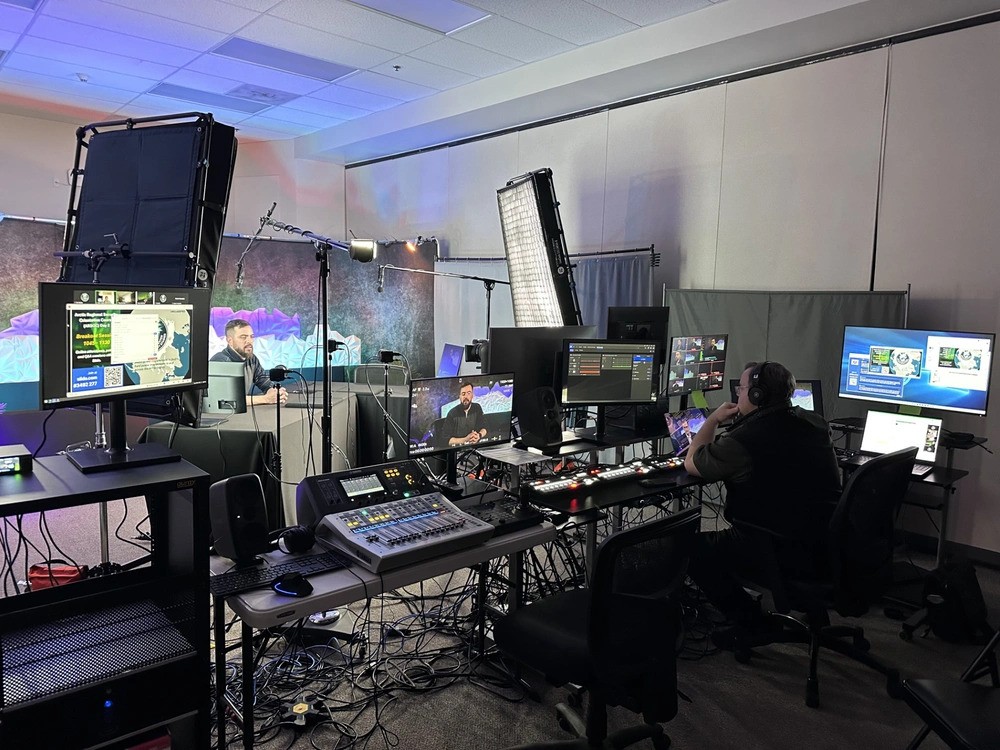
(103,343)
(227,388)
(947,370)
(601,372)
(696,363)
(451,361)
(531,354)
(639,324)
(445,413)
(808,394)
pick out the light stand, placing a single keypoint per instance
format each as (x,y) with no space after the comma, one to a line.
(362,251)
(277,375)
(386,358)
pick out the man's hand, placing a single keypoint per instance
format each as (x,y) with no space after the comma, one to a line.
(725,413)
(472,437)
(273,394)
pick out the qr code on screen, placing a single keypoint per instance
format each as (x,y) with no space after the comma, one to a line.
(112,376)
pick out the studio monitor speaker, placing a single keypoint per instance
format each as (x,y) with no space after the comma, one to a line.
(239,517)
(539,418)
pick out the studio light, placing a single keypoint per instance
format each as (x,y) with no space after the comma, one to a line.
(541,277)
(363,251)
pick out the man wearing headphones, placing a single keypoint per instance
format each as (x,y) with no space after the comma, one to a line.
(781,474)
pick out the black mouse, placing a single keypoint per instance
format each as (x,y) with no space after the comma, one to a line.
(292,584)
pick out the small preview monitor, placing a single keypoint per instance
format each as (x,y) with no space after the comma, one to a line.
(696,363)
(886,432)
(603,371)
(111,343)
(449,414)
(945,370)
(227,388)
(684,425)
(451,361)
(808,394)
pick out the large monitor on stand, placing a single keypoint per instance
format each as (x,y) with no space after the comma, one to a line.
(451,415)
(696,363)
(605,372)
(104,344)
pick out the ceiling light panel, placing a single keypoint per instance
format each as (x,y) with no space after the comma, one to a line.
(441,15)
(238,70)
(133,23)
(281,59)
(325,46)
(505,37)
(209,14)
(94,59)
(262,94)
(456,55)
(423,73)
(67,32)
(348,19)
(207,98)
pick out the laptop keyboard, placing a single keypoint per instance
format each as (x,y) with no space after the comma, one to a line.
(919,470)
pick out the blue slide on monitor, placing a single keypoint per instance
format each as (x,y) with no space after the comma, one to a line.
(945,370)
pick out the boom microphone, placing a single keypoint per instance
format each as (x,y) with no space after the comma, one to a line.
(381,277)
(264,220)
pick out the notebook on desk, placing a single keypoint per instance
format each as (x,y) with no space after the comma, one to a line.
(886,432)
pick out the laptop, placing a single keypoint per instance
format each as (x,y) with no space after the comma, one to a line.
(682,426)
(451,361)
(886,432)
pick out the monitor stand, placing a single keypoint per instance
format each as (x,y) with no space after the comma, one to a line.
(118,455)
(455,488)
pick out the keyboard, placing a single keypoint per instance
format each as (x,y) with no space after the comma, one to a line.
(238,580)
(919,470)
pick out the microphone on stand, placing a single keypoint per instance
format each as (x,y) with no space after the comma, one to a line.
(264,220)
(381,277)
(239,275)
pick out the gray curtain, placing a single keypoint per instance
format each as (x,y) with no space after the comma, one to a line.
(611,281)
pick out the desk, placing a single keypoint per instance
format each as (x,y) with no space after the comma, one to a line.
(245,444)
(264,608)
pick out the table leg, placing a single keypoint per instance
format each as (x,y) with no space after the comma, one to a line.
(219,629)
(248,686)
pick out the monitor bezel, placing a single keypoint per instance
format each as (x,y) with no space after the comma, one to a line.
(654,378)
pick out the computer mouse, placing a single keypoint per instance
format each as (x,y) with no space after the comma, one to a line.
(292,584)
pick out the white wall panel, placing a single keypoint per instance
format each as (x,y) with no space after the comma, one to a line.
(939,223)
(664,172)
(36,156)
(576,151)
(800,175)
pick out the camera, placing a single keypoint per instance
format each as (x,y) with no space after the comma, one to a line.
(477,351)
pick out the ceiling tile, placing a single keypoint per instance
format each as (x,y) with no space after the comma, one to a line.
(423,73)
(278,126)
(203,81)
(7,40)
(354,97)
(286,113)
(355,22)
(648,12)
(14,19)
(92,58)
(441,15)
(386,86)
(72,72)
(208,14)
(260,6)
(238,70)
(207,98)
(67,32)
(168,106)
(307,41)
(49,87)
(456,55)
(505,37)
(318,107)
(582,24)
(132,23)
(258,133)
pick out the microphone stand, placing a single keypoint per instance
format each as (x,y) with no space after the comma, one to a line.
(277,375)
(360,250)
(246,250)
(489,284)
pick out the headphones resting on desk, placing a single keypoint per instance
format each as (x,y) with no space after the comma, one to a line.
(296,539)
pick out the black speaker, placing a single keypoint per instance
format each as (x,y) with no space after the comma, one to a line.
(156,194)
(539,418)
(239,518)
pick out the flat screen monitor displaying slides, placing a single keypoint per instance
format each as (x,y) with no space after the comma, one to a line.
(452,414)
(945,370)
(808,394)
(599,372)
(696,363)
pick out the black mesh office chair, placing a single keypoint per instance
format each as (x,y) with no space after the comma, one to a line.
(964,714)
(860,569)
(615,638)
(374,375)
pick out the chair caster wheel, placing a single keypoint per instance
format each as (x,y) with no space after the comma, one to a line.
(812,693)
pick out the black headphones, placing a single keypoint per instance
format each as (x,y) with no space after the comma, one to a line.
(296,539)
(756,393)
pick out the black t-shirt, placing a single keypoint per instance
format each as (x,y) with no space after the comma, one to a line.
(461,423)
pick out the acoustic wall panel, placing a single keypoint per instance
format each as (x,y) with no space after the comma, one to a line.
(800,176)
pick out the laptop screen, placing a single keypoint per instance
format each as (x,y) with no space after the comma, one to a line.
(886,432)
(682,426)
(451,361)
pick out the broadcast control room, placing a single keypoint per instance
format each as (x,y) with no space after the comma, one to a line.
(506,375)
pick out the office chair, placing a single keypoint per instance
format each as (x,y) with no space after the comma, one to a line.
(615,638)
(964,714)
(860,544)
(373,374)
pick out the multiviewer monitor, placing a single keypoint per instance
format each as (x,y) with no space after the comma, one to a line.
(808,394)
(945,370)
(696,363)
(448,414)
(110,343)
(605,371)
